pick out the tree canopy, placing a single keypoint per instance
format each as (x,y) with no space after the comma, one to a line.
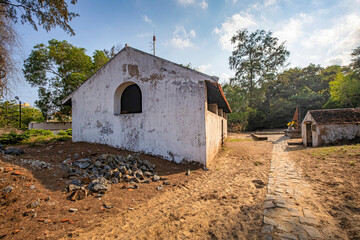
(57,69)
(262,96)
(256,59)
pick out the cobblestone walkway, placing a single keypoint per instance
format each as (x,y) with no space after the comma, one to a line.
(291,210)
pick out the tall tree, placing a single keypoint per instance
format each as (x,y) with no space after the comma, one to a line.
(356,60)
(58,69)
(256,59)
(46,13)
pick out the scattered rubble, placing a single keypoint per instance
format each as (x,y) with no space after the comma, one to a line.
(14,151)
(96,175)
(37,164)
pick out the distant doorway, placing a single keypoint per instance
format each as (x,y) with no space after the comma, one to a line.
(308,135)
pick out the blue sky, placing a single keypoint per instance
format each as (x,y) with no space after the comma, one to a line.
(198,31)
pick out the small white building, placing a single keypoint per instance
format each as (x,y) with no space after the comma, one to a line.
(144,103)
(330,126)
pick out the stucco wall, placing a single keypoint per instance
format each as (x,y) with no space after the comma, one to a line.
(214,134)
(324,134)
(331,133)
(50,125)
(171,124)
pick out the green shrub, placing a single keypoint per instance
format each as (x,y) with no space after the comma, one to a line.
(69,131)
(40,132)
(62,133)
(13,137)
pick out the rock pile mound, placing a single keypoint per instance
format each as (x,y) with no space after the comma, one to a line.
(96,175)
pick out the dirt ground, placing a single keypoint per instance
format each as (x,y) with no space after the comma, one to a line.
(334,174)
(224,202)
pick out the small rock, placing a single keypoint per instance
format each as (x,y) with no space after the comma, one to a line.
(78,194)
(108,206)
(32,187)
(34,204)
(47,221)
(8,189)
(73,187)
(145,181)
(159,188)
(14,151)
(1,147)
(155,178)
(76,155)
(73,210)
(100,187)
(188,172)
(16,173)
(2,169)
(166,183)
(114,180)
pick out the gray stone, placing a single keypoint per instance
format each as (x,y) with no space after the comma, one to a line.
(268,237)
(97,164)
(308,213)
(287,237)
(82,163)
(270,221)
(32,187)
(73,210)
(73,187)
(269,204)
(1,147)
(14,151)
(166,183)
(155,178)
(284,227)
(308,221)
(268,228)
(147,174)
(115,180)
(34,204)
(270,197)
(313,232)
(107,167)
(76,155)
(76,182)
(100,187)
(188,172)
(159,188)
(8,189)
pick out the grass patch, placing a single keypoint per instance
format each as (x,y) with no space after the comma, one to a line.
(240,140)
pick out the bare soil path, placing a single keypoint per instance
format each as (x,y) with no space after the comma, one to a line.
(225,202)
(292,209)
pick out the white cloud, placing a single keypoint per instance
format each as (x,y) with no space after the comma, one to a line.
(225,77)
(269,2)
(181,38)
(204,68)
(199,3)
(203,4)
(336,42)
(230,26)
(147,19)
(186,2)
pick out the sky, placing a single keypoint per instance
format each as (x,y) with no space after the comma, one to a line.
(198,31)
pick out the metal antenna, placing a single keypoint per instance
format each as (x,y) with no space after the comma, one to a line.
(154,39)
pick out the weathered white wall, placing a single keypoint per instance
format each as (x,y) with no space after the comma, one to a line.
(325,134)
(214,134)
(50,125)
(336,132)
(172,122)
(309,118)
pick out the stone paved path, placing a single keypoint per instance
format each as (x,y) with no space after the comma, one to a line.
(291,210)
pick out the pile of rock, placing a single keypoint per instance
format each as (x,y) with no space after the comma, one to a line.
(11,151)
(96,175)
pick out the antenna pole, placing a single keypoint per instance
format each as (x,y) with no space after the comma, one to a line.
(154,39)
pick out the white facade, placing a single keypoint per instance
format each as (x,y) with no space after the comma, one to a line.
(320,132)
(173,122)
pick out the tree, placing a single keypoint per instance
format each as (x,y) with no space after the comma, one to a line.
(48,13)
(345,90)
(58,69)
(256,59)
(356,60)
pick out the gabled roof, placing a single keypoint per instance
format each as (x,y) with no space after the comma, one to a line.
(67,100)
(216,95)
(336,116)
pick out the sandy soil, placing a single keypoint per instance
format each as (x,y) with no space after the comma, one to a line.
(334,174)
(221,203)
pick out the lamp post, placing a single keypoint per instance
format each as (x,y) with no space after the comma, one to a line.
(17,98)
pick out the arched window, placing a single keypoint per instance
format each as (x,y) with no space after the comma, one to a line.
(127,99)
(131,100)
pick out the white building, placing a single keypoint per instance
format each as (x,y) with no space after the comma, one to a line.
(330,126)
(147,104)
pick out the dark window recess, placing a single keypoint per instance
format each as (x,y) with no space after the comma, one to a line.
(131,101)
